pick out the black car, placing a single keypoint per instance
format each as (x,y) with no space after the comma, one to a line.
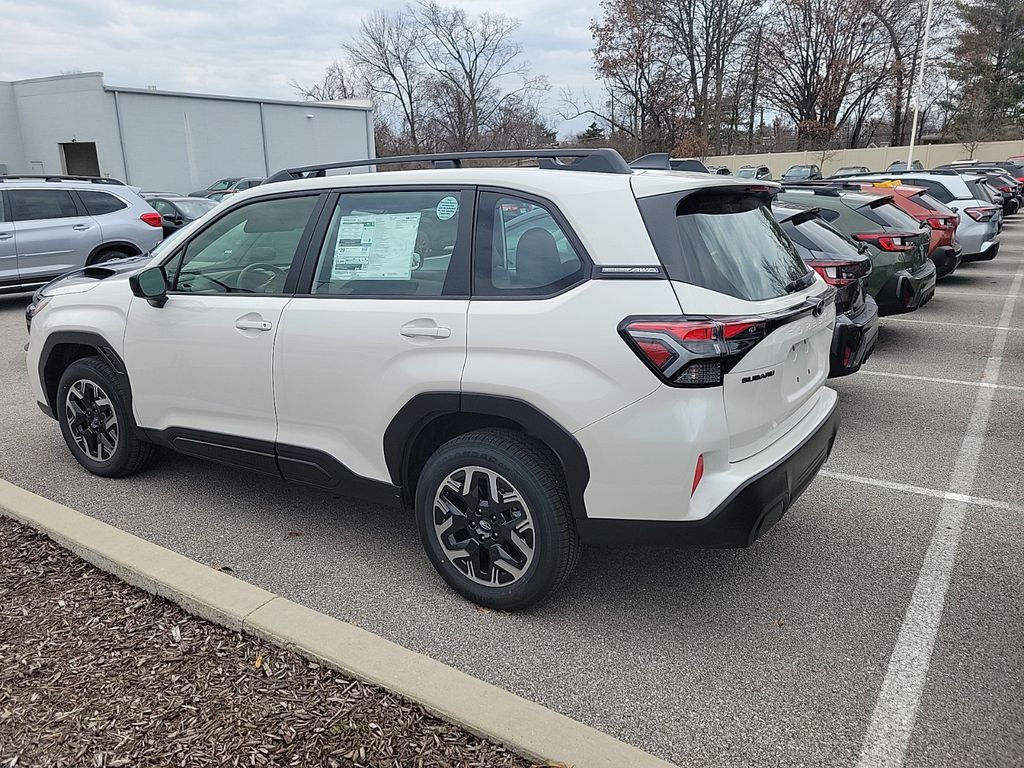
(844,265)
(177,211)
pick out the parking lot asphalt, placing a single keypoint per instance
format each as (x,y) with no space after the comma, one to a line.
(875,625)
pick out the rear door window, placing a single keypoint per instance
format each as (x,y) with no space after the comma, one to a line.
(723,240)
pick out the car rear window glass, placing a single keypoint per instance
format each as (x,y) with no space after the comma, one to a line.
(890,216)
(723,240)
(927,200)
(99,203)
(746,173)
(818,235)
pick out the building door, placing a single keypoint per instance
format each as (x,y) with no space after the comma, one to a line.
(80,158)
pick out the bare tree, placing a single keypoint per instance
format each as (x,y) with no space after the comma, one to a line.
(335,84)
(478,67)
(384,54)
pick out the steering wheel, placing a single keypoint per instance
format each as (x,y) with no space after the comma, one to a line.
(269,272)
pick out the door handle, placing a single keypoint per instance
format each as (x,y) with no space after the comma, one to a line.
(434,332)
(5,236)
(253,325)
(81,227)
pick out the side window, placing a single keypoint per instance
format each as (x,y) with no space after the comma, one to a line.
(394,243)
(35,204)
(522,250)
(98,203)
(162,207)
(249,250)
(3,213)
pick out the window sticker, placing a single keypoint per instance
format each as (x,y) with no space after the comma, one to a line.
(447,207)
(375,247)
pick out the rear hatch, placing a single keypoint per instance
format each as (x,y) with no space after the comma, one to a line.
(909,240)
(749,299)
(842,263)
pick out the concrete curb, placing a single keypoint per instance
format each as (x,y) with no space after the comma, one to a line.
(533,731)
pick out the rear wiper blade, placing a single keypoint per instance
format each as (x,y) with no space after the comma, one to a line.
(800,282)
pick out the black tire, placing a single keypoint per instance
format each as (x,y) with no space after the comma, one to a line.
(109,254)
(531,471)
(129,454)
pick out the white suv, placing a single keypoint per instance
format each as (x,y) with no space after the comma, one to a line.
(528,358)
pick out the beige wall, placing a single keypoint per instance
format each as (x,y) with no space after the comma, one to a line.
(878,159)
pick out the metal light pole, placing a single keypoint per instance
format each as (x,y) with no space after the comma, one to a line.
(920,85)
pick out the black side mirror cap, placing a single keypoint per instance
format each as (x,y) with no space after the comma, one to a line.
(150,284)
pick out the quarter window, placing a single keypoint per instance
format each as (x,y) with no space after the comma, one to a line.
(251,249)
(35,204)
(99,203)
(522,250)
(393,243)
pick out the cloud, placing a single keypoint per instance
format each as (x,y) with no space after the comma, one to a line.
(245,48)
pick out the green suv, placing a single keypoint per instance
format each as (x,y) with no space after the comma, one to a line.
(902,276)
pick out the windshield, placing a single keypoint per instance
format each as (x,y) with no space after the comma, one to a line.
(726,241)
(799,171)
(222,184)
(195,207)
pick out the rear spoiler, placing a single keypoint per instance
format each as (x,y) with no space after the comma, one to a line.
(800,217)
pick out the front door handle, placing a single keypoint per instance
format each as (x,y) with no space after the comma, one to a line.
(81,227)
(5,236)
(253,325)
(432,332)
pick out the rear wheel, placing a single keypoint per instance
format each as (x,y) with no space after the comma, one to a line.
(494,517)
(96,421)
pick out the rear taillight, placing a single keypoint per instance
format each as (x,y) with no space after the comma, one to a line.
(152,218)
(1006,188)
(941,222)
(840,273)
(692,352)
(984,213)
(888,242)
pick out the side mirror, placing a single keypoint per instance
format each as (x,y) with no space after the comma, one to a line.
(151,285)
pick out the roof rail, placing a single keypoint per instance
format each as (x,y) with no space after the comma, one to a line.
(59,177)
(590,160)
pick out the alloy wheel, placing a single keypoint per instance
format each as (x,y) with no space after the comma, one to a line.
(484,526)
(91,419)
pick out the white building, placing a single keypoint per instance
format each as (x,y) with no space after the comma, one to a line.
(166,141)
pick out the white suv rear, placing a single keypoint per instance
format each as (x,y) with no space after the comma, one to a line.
(529,358)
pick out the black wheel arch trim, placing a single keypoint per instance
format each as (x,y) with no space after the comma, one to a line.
(423,409)
(103,349)
(116,245)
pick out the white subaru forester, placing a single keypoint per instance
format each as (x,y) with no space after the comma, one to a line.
(528,358)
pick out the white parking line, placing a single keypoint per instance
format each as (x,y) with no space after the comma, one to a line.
(954,325)
(892,721)
(977,501)
(937,380)
(975,294)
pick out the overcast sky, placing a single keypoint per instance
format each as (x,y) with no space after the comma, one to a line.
(249,47)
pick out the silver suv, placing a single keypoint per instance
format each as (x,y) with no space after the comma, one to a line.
(52,224)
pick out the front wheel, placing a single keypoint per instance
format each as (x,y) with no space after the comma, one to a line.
(494,517)
(96,422)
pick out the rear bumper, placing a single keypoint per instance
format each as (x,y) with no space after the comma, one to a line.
(946,259)
(853,339)
(989,250)
(751,510)
(907,290)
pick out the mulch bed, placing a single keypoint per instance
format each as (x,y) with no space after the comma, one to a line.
(94,672)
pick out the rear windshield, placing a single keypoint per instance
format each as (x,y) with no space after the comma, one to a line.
(925,200)
(890,217)
(818,235)
(723,240)
(746,173)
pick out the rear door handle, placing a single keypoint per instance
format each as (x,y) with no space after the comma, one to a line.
(81,227)
(5,236)
(253,325)
(434,332)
